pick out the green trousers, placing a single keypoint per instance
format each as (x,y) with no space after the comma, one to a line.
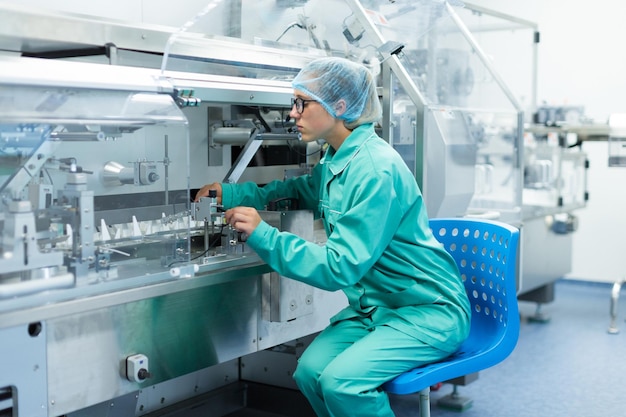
(342,370)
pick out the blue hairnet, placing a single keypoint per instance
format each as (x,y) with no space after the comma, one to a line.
(328,80)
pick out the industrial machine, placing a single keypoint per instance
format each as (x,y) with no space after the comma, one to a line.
(120,295)
(554,163)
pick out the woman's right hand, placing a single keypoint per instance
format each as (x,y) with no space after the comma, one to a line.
(204,192)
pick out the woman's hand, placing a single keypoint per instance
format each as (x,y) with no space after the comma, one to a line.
(204,192)
(243,219)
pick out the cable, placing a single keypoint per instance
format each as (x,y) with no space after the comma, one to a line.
(291,26)
(212,245)
(293,149)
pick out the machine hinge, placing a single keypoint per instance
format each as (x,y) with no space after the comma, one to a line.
(185,98)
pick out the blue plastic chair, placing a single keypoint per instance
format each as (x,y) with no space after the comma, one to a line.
(486,253)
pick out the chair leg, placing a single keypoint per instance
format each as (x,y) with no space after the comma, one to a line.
(425,402)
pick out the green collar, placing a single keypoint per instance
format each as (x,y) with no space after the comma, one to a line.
(338,160)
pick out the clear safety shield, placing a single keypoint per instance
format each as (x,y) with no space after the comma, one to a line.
(467,122)
(86,192)
(446,108)
(554,177)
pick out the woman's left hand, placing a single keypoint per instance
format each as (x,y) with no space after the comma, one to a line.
(243,219)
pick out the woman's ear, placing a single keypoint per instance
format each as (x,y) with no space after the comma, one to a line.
(340,107)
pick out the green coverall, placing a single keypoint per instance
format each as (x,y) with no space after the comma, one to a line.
(407,303)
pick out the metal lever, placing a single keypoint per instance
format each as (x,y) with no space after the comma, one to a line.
(252,146)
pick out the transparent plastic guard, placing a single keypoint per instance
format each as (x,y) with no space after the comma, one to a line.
(554,177)
(236,49)
(467,161)
(448,74)
(502,38)
(184,28)
(245,35)
(30,116)
(86,197)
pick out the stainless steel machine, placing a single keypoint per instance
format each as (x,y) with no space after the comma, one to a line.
(119,296)
(117,293)
(554,163)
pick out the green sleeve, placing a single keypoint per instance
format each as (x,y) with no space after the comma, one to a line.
(351,250)
(304,188)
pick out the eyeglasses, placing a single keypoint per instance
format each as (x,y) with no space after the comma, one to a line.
(299,103)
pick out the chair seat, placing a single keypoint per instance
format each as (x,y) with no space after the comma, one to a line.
(471,357)
(486,253)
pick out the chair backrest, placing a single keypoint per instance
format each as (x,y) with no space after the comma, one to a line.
(486,253)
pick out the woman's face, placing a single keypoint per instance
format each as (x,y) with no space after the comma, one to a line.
(313,122)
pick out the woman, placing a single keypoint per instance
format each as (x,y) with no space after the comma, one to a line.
(407,304)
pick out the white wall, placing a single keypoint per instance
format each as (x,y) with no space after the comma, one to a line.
(580,54)
(581,62)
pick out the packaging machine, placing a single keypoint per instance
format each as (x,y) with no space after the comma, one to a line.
(119,296)
(112,279)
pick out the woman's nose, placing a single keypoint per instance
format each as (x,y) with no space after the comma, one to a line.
(293,113)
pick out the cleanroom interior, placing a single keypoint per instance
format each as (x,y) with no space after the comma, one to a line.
(114,114)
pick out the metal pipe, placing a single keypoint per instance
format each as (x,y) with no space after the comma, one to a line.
(231,135)
(617,286)
(31,286)
(166,167)
(425,402)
